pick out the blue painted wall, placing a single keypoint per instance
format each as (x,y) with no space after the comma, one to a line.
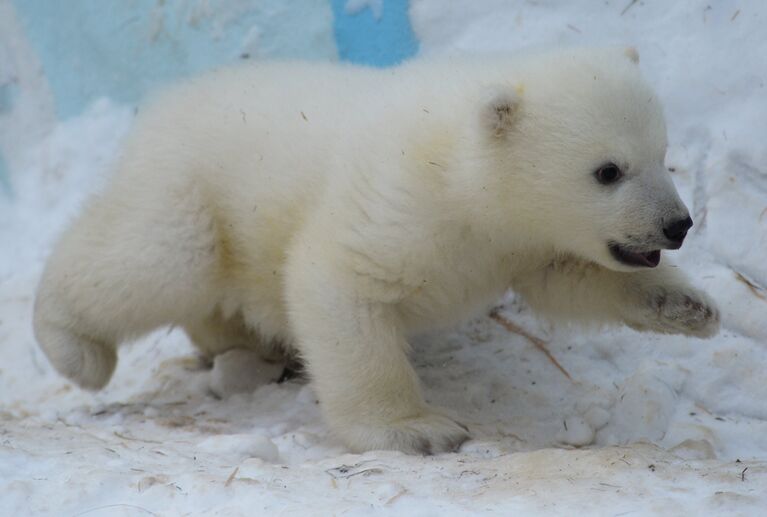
(120,49)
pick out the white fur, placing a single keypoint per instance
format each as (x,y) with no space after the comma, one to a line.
(335,211)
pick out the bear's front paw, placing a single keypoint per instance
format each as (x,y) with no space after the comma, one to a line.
(679,310)
(428,433)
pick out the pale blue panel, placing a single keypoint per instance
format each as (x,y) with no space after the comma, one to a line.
(122,48)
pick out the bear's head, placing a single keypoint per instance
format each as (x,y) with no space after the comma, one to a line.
(578,146)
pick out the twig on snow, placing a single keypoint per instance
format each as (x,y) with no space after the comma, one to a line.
(231,476)
(538,342)
(347,471)
(629,6)
(396,496)
(126,437)
(757,290)
(345,475)
(117,505)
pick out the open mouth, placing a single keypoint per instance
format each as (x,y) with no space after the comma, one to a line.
(635,258)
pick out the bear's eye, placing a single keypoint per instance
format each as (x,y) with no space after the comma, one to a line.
(608,173)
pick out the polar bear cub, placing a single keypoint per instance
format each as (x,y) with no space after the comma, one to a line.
(332,211)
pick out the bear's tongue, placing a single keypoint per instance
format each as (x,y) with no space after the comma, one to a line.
(636,258)
(649,258)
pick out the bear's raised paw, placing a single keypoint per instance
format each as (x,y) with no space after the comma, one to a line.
(675,310)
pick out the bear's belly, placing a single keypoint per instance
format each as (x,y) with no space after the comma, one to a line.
(252,255)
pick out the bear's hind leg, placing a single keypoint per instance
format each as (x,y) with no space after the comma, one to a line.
(128,265)
(216,334)
(241,359)
(84,360)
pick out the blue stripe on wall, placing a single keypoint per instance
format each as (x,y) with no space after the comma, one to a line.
(5,182)
(8,93)
(122,48)
(363,39)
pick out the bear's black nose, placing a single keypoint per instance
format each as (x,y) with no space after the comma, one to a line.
(677,230)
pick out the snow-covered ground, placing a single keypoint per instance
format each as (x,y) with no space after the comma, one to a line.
(648,424)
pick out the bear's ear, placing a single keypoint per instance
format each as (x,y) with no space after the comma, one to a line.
(632,54)
(500,110)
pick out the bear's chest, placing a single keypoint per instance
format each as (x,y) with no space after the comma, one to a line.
(456,288)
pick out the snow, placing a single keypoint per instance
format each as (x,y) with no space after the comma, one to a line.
(648,424)
(241,371)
